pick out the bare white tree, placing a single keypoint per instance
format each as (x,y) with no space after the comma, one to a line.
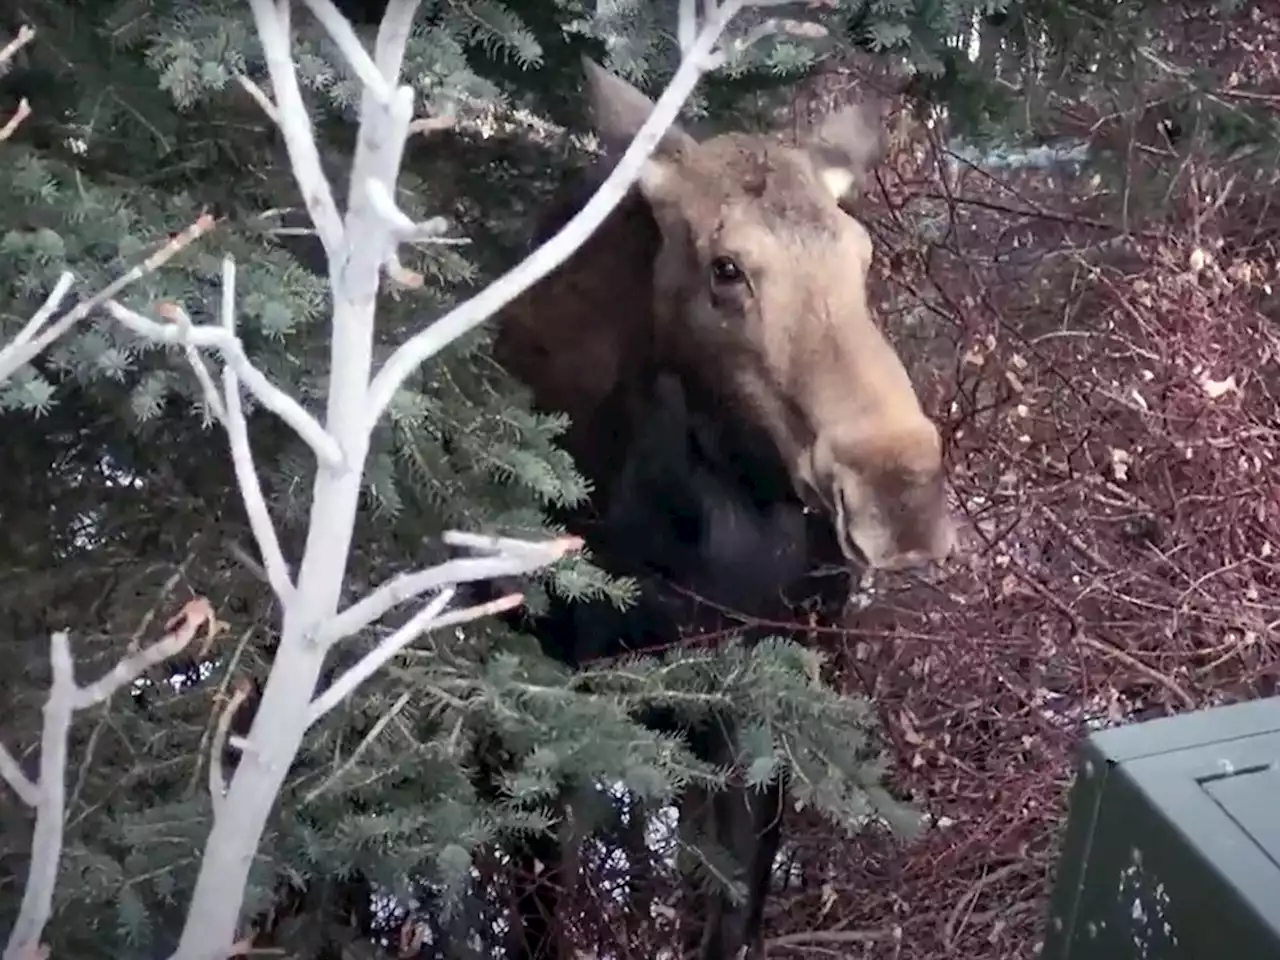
(361,245)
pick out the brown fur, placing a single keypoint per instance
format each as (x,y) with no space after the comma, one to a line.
(793,348)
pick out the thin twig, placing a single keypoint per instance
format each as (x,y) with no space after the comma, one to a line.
(955,924)
(264,391)
(212,399)
(428,619)
(26,33)
(162,599)
(181,628)
(255,504)
(807,937)
(375,731)
(218,782)
(18,355)
(406,586)
(273,24)
(1111,650)
(11,127)
(220,694)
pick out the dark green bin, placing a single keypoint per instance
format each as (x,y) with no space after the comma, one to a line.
(1172,847)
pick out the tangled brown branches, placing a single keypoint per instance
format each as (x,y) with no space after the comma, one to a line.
(1113,404)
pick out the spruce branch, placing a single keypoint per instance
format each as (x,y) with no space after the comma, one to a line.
(48,796)
(38,334)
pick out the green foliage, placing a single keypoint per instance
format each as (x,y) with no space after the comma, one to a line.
(794,724)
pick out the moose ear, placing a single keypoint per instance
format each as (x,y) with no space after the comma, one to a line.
(618,110)
(844,147)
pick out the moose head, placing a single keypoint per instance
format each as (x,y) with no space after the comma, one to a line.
(759,291)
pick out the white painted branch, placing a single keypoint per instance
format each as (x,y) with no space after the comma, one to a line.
(471,313)
(687,26)
(25,35)
(221,735)
(35,337)
(262,100)
(11,771)
(393,37)
(131,668)
(209,389)
(41,316)
(273,22)
(46,841)
(429,618)
(50,794)
(405,228)
(343,686)
(353,51)
(493,545)
(255,504)
(358,246)
(324,446)
(406,586)
(735,48)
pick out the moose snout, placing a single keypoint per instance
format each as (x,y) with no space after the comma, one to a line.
(886,499)
(937,542)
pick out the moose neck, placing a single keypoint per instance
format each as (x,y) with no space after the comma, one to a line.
(728,443)
(701,469)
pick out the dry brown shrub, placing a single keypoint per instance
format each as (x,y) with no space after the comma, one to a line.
(1112,399)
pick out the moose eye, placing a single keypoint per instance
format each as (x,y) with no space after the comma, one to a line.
(726,272)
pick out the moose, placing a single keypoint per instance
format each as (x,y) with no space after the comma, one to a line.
(751,437)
